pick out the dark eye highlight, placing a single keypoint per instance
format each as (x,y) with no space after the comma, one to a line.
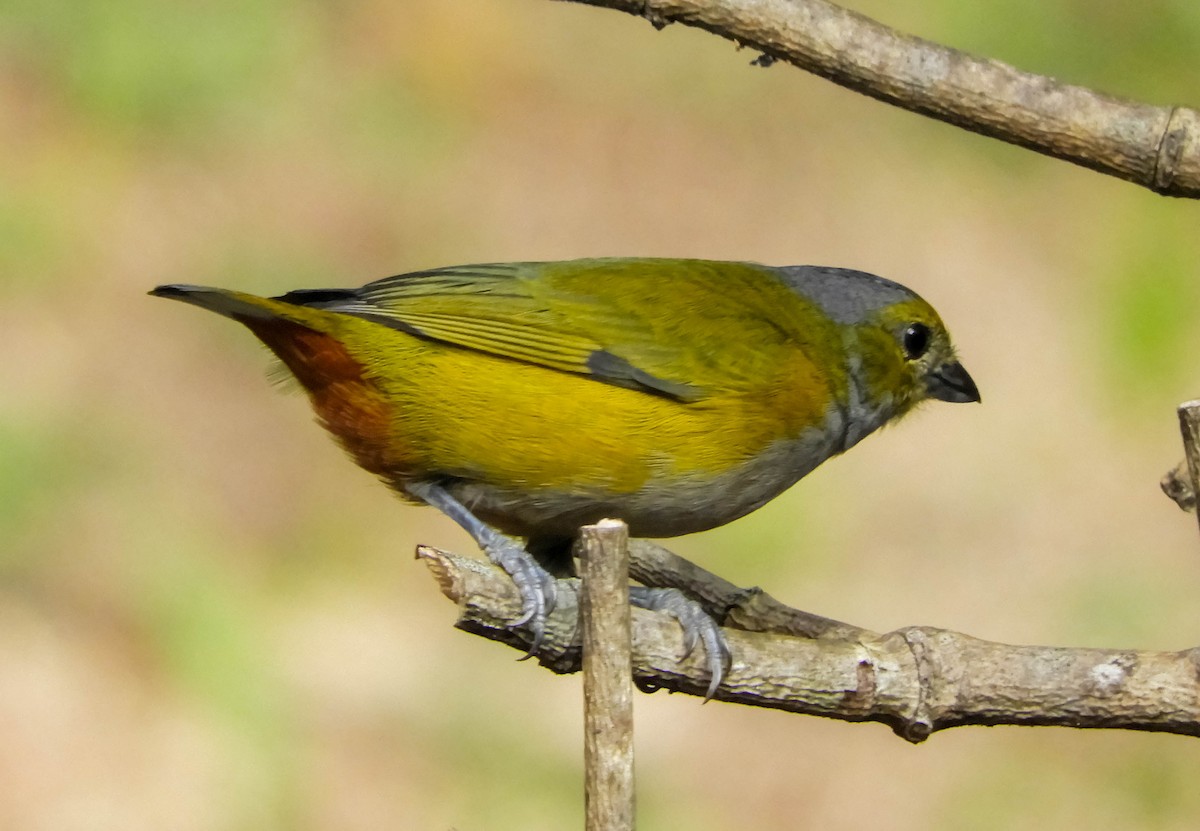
(916,340)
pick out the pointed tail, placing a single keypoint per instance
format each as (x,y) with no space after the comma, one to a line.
(233,304)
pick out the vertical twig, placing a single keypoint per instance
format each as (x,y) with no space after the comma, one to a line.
(607,677)
(1189,425)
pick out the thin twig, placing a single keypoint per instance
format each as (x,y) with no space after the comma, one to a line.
(1157,147)
(1189,425)
(607,677)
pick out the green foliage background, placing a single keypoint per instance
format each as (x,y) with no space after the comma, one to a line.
(210,620)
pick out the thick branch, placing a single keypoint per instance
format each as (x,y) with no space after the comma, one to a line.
(1158,147)
(916,680)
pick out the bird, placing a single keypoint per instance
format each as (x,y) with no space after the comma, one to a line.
(527,399)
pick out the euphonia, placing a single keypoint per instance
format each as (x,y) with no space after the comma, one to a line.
(528,399)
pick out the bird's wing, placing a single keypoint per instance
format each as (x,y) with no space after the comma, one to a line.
(626,322)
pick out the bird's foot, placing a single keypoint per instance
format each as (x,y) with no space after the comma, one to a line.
(698,627)
(535,586)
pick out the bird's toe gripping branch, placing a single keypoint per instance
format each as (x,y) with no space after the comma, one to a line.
(534,584)
(537,587)
(698,627)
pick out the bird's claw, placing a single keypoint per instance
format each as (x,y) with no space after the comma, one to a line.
(536,587)
(698,627)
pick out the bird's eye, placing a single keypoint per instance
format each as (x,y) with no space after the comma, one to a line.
(916,340)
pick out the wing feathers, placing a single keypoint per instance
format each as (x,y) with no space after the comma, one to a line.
(521,312)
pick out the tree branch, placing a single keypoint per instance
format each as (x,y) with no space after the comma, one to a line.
(1157,147)
(917,680)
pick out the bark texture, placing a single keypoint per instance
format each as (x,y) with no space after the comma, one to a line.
(917,680)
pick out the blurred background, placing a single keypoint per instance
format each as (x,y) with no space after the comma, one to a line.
(209,619)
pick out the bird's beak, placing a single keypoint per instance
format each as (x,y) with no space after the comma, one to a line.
(950,382)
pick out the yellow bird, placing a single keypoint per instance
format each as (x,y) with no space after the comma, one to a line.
(533,398)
